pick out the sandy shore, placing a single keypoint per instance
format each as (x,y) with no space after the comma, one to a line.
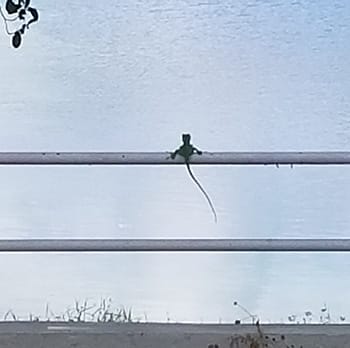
(152,335)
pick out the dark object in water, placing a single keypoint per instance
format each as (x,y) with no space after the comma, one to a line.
(16,39)
(11,7)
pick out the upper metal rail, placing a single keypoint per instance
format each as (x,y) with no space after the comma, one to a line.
(175,245)
(163,158)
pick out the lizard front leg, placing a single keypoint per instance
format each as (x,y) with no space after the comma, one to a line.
(173,154)
(199,152)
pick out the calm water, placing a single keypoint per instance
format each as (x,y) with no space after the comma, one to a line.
(115,76)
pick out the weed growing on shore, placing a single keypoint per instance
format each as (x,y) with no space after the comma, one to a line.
(307,317)
(81,311)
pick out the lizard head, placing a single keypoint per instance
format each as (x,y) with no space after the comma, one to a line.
(186,138)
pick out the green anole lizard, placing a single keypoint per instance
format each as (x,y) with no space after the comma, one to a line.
(186,150)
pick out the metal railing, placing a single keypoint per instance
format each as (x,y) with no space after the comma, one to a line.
(163,158)
(174,245)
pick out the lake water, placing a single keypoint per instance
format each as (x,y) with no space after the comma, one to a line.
(133,76)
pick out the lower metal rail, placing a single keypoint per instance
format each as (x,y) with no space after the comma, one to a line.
(175,245)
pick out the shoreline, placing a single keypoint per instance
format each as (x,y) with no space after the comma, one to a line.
(161,335)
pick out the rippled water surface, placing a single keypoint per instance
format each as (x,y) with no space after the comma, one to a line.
(132,76)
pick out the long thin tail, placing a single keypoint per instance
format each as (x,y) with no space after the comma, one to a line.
(203,191)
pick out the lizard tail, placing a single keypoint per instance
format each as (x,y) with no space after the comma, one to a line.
(203,191)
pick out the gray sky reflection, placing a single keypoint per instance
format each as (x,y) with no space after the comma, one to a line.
(123,76)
